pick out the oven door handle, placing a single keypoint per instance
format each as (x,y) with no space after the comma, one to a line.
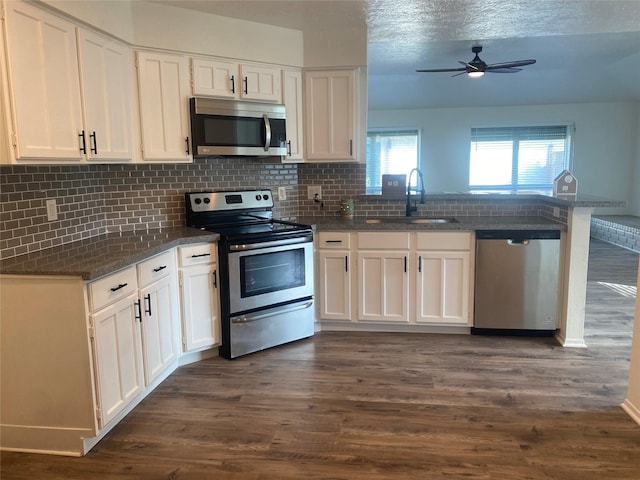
(275,243)
(272,312)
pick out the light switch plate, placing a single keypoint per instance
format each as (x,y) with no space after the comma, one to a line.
(52,210)
(282,193)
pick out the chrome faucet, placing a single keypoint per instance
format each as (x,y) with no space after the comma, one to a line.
(415,207)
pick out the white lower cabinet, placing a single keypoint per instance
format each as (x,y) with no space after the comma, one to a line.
(335,277)
(159,314)
(117,351)
(443,277)
(135,336)
(410,278)
(92,350)
(200,297)
(383,279)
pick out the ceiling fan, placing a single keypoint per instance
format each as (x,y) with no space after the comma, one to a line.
(477,67)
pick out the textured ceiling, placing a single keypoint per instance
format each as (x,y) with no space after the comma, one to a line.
(586,50)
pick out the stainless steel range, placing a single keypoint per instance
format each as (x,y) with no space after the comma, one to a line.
(266,269)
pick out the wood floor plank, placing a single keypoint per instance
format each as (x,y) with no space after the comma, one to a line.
(373,406)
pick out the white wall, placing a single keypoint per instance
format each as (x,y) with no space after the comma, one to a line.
(605,149)
(162,26)
(336,48)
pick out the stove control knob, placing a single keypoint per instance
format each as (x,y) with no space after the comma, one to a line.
(258,197)
(207,200)
(266,197)
(198,201)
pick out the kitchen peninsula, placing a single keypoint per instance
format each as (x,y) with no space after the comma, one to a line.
(489,211)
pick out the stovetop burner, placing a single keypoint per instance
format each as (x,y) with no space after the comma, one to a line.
(237,214)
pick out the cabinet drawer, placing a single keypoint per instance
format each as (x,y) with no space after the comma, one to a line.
(337,240)
(112,287)
(383,240)
(156,268)
(443,241)
(199,254)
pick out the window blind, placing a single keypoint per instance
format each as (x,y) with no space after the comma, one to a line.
(518,157)
(390,152)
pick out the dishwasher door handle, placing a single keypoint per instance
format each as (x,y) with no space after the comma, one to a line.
(512,241)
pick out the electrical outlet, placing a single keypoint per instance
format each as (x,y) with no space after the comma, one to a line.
(314,190)
(52,210)
(282,193)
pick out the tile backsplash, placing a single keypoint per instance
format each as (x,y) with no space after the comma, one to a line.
(96,199)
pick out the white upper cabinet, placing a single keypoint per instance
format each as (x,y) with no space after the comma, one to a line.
(261,83)
(331,115)
(71,90)
(163,87)
(105,68)
(217,78)
(292,99)
(43,68)
(228,79)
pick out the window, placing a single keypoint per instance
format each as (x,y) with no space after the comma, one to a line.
(390,151)
(518,158)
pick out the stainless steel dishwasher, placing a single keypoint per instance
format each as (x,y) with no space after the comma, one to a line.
(516,282)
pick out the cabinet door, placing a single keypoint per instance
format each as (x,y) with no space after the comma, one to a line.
(163,83)
(105,68)
(383,292)
(117,350)
(43,66)
(159,326)
(261,83)
(200,314)
(335,284)
(217,78)
(292,98)
(442,287)
(330,115)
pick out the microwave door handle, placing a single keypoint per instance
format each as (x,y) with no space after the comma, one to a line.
(267,129)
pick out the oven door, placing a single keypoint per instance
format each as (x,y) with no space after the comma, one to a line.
(269,273)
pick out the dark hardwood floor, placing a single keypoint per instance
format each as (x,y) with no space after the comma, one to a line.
(389,406)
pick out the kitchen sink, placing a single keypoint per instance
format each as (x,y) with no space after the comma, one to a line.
(425,220)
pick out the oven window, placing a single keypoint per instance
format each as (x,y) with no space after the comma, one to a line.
(271,272)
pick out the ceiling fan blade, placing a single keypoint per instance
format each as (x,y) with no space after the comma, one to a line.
(503,70)
(516,63)
(458,74)
(444,70)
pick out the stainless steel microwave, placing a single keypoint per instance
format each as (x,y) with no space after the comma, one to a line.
(228,127)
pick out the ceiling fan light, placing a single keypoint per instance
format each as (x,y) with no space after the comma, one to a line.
(475,74)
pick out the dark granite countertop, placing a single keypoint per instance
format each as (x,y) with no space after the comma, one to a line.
(97,256)
(358,223)
(581,200)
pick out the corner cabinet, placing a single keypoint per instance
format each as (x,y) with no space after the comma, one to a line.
(332,115)
(79,82)
(163,91)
